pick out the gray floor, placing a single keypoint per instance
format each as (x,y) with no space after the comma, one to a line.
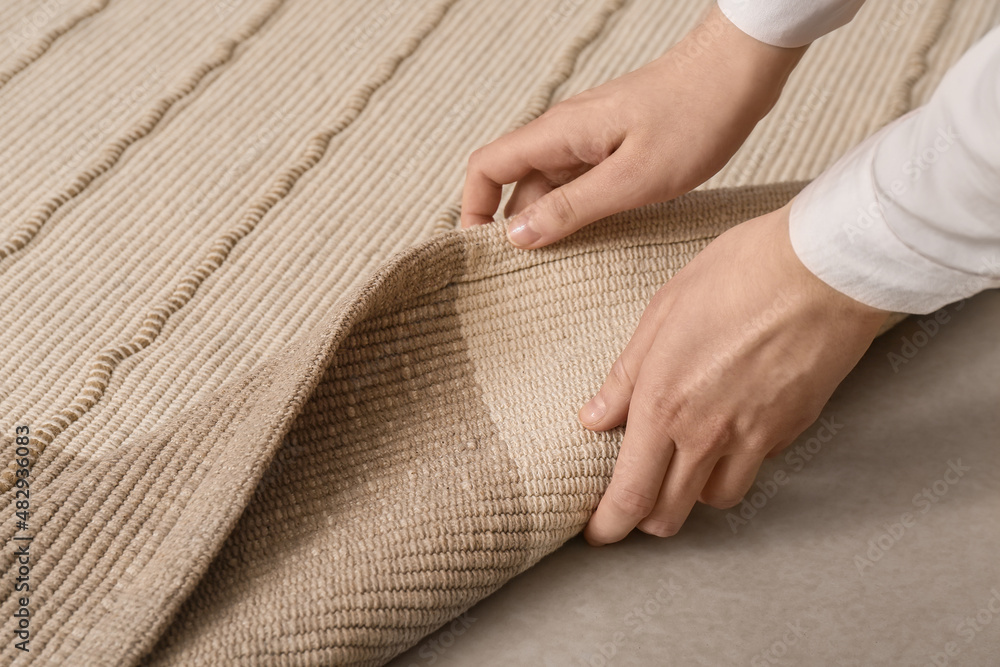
(880,546)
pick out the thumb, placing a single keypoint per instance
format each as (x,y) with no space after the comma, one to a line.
(595,194)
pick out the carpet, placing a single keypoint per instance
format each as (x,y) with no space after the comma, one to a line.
(276,410)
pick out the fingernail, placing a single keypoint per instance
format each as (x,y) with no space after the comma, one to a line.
(521,233)
(594,409)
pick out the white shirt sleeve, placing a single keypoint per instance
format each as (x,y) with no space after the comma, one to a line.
(789,23)
(909,220)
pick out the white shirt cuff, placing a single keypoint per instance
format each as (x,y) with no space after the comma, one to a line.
(908,220)
(789,23)
(839,232)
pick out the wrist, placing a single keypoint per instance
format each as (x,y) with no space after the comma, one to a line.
(827,299)
(753,71)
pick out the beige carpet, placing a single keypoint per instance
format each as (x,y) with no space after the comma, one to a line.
(255,437)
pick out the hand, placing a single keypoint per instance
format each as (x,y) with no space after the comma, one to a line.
(650,135)
(731,360)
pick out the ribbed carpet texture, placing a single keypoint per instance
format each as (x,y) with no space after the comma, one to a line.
(281,411)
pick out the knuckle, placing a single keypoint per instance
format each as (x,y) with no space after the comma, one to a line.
(715,433)
(661,299)
(620,377)
(701,449)
(475,157)
(660,528)
(560,210)
(759,443)
(555,118)
(632,503)
(804,420)
(722,500)
(659,407)
(594,150)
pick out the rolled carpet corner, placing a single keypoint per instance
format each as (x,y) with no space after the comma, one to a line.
(439,454)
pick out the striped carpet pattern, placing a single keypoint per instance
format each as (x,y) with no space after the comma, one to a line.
(276,412)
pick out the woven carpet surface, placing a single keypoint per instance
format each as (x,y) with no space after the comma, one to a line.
(281,411)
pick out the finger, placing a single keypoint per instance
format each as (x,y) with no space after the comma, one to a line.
(600,192)
(506,160)
(609,406)
(642,462)
(631,495)
(731,480)
(527,190)
(686,476)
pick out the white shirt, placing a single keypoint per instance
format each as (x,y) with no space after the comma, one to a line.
(909,220)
